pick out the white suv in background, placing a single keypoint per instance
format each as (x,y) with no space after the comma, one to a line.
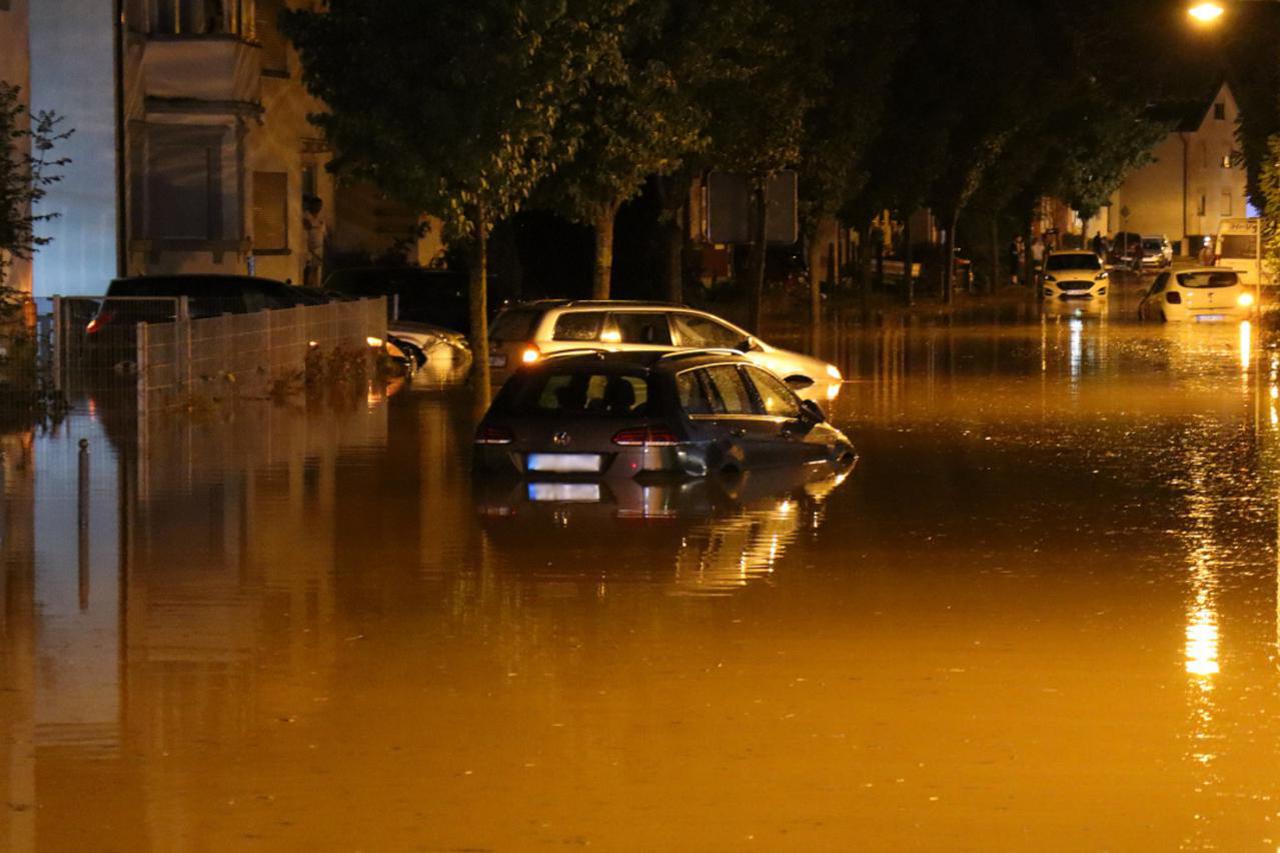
(527,332)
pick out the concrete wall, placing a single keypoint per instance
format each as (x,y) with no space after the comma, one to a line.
(15,67)
(73,74)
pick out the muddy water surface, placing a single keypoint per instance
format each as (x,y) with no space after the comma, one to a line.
(1041,612)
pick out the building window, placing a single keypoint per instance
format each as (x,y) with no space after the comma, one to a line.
(183,182)
(1220,112)
(1226,161)
(270,212)
(1226,202)
(4,5)
(1201,205)
(202,17)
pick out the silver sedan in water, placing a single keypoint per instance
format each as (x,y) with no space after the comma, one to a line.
(623,414)
(522,334)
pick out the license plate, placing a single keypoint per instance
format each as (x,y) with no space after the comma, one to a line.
(565,492)
(1210,318)
(498,359)
(564,463)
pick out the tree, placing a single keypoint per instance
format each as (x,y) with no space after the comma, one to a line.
(759,89)
(637,119)
(27,169)
(854,46)
(1269,192)
(452,107)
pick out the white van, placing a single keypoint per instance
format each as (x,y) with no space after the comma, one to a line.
(1238,247)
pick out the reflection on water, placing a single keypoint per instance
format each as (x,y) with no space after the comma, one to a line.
(1054,569)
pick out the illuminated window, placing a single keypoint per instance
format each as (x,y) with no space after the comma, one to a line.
(1226,161)
(270,211)
(201,17)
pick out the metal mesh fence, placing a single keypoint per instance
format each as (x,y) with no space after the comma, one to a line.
(246,354)
(160,352)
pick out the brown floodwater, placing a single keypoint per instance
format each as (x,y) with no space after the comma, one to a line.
(1041,612)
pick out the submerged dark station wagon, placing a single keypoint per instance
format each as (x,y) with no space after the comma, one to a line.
(621,414)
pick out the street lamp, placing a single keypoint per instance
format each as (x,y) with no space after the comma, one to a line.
(1206,13)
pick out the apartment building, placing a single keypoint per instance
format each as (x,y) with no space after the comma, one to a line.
(1195,179)
(192,149)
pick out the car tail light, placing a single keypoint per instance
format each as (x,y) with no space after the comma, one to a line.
(1173,297)
(98,322)
(489,434)
(646,437)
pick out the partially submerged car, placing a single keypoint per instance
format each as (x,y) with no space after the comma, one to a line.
(1157,251)
(1201,295)
(524,333)
(1073,275)
(622,414)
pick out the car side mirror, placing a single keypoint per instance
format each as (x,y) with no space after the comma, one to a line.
(748,345)
(799,383)
(811,412)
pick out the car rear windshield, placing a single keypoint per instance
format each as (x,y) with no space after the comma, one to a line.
(1208,279)
(1153,245)
(515,324)
(576,393)
(1082,261)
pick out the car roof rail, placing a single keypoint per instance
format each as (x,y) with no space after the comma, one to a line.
(599,352)
(625,303)
(686,353)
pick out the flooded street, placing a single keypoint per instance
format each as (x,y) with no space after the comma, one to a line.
(1041,612)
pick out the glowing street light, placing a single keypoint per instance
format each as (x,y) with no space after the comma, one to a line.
(1206,13)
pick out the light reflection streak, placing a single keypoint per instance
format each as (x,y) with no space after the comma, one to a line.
(1246,345)
(1076,325)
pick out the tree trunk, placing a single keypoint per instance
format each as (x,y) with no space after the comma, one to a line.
(995,252)
(908,261)
(673,238)
(602,275)
(1028,268)
(816,245)
(479,308)
(949,260)
(758,246)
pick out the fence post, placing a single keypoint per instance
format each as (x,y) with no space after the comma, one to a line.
(59,342)
(82,516)
(140,359)
(182,344)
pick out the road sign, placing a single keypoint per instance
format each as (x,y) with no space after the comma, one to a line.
(730,214)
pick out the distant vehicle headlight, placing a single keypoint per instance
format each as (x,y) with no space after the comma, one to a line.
(834,372)
(530,355)
(1244,300)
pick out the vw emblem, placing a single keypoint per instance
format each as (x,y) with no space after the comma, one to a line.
(561,439)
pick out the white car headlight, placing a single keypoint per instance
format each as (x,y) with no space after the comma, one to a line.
(1100,276)
(1049,278)
(1244,300)
(834,372)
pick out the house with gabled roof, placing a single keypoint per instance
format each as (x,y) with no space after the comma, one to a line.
(1195,179)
